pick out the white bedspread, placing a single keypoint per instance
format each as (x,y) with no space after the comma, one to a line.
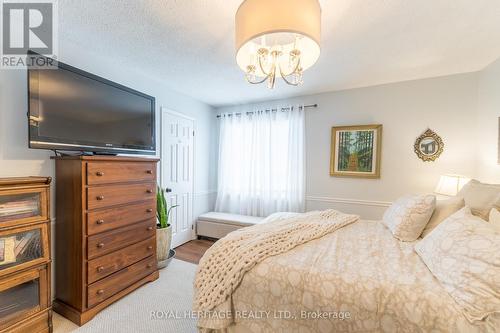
(357,279)
(224,265)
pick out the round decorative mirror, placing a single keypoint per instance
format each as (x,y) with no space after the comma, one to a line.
(429,146)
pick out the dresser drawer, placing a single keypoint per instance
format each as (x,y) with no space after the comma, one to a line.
(107,287)
(108,219)
(101,267)
(105,172)
(106,196)
(110,241)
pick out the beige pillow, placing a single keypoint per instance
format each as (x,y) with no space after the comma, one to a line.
(480,197)
(495,218)
(463,253)
(408,216)
(444,208)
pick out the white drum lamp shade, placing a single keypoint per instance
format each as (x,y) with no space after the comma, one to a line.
(282,25)
(450,185)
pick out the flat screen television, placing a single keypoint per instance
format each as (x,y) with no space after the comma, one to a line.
(70,109)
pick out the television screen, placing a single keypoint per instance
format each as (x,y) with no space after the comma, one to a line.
(70,109)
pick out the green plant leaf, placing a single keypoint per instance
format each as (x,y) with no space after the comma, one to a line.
(161,208)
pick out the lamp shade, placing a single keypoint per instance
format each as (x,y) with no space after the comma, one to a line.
(272,23)
(450,185)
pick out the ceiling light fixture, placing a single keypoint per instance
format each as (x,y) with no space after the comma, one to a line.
(277,37)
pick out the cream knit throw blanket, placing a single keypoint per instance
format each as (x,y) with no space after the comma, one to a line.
(223,266)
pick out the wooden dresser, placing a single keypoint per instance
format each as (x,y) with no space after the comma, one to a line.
(25,299)
(105,231)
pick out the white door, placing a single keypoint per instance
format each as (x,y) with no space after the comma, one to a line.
(177,152)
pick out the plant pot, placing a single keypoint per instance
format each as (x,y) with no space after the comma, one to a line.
(163,242)
(164,263)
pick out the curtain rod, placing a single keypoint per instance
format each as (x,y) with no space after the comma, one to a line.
(270,110)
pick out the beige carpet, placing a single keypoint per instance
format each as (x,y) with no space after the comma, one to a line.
(171,294)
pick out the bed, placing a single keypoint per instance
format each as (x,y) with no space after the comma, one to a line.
(356,279)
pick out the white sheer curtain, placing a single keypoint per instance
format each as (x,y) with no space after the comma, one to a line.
(262,163)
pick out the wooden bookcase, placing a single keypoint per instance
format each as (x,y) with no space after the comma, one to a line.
(25,298)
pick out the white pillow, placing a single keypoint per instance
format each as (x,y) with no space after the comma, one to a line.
(444,209)
(408,216)
(463,253)
(495,218)
(480,197)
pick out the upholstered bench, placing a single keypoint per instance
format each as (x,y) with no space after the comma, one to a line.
(218,225)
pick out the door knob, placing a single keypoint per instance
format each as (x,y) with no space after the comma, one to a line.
(99,173)
(100,292)
(100,245)
(168,190)
(100,197)
(149,210)
(100,221)
(149,191)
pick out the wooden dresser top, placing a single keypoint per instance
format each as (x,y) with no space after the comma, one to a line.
(108,158)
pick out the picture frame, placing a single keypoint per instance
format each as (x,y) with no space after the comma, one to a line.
(356,151)
(429,146)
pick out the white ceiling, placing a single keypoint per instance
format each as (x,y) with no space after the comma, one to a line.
(189,43)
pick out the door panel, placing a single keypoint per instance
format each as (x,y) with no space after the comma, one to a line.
(177,173)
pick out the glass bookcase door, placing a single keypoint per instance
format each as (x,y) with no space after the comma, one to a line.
(22,295)
(22,206)
(19,300)
(22,247)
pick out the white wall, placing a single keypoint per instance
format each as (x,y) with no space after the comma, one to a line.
(447,105)
(488,123)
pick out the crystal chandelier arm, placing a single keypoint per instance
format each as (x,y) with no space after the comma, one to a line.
(255,82)
(297,70)
(294,70)
(290,83)
(262,67)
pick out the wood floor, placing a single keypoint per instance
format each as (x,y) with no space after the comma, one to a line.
(193,251)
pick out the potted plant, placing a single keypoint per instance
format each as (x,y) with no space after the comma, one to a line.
(164,228)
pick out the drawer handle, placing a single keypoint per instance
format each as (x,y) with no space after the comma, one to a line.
(149,265)
(149,191)
(150,247)
(100,269)
(100,245)
(149,210)
(149,172)
(100,292)
(100,197)
(99,173)
(100,221)
(150,228)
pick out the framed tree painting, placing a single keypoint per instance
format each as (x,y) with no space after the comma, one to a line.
(356,151)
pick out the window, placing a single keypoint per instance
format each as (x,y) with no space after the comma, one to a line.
(261,163)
